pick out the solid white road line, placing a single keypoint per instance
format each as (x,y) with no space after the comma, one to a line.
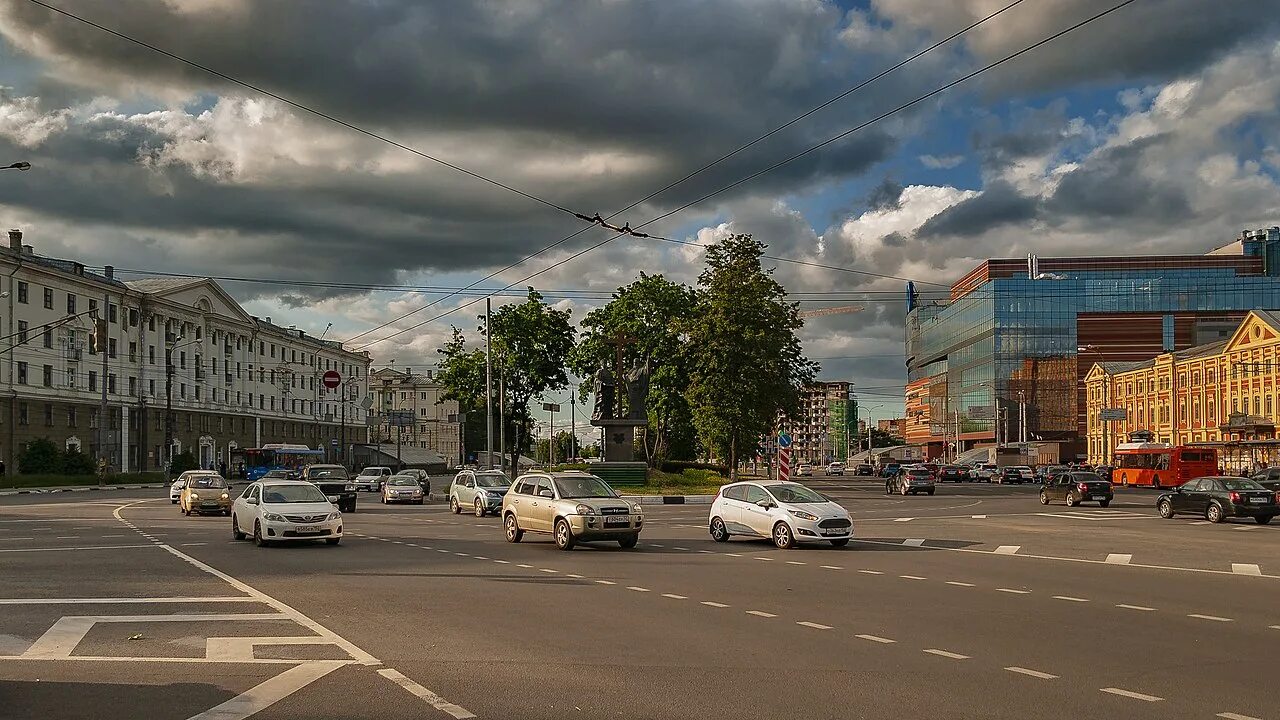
(1214,618)
(674,596)
(1131,694)
(1234,716)
(959,584)
(876,638)
(61,639)
(1135,607)
(90,547)
(814,625)
(1011,590)
(1032,673)
(268,692)
(946,654)
(125,601)
(1118,559)
(432,699)
(1245,569)
(1068,598)
(758,613)
(913,542)
(708,603)
(1007,550)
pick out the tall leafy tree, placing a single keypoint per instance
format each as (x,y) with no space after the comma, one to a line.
(652,312)
(461,374)
(745,361)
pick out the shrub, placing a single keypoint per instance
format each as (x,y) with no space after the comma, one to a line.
(679,466)
(40,456)
(75,462)
(701,476)
(183,462)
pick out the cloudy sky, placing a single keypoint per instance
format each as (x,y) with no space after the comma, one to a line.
(1154,129)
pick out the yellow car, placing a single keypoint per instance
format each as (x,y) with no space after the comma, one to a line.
(205,494)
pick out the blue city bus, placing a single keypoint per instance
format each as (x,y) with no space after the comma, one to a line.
(277,456)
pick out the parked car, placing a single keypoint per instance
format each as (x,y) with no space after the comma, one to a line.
(372,477)
(803,470)
(480,490)
(835,468)
(954,473)
(285,510)
(402,489)
(1044,472)
(1074,488)
(890,470)
(1104,471)
(1015,474)
(1268,478)
(1218,498)
(205,493)
(865,469)
(334,482)
(281,475)
(986,472)
(572,506)
(913,481)
(786,512)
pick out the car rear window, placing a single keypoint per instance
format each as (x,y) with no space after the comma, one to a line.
(918,472)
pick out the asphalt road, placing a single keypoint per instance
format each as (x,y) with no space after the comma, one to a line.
(974,603)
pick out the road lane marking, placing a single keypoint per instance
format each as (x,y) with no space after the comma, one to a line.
(913,542)
(456,711)
(62,638)
(946,654)
(903,519)
(442,550)
(674,596)
(871,572)
(63,549)
(574,575)
(733,554)
(1131,694)
(1200,522)
(760,557)
(1068,598)
(1135,607)
(708,603)
(832,567)
(525,566)
(1032,673)
(1012,590)
(1274,627)
(876,638)
(125,601)
(637,589)
(959,584)
(462,554)
(759,613)
(1118,559)
(912,577)
(656,545)
(978,517)
(1214,618)
(479,557)
(814,625)
(795,562)
(67,537)
(1245,569)
(1007,550)
(606,582)
(680,548)
(1234,716)
(268,692)
(503,562)
(239,649)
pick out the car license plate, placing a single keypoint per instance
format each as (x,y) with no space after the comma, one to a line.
(617,520)
(309,529)
(1258,501)
(1099,497)
(833,531)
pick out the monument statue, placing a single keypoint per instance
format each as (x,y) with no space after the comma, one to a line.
(605,388)
(638,390)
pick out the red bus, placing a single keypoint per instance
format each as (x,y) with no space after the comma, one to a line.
(1160,465)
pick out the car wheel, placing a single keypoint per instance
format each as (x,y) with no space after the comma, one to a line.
(1103,503)
(782,536)
(629,542)
(905,491)
(719,532)
(236,533)
(453,505)
(1214,513)
(479,508)
(1263,519)
(1044,499)
(1071,500)
(841,542)
(513,531)
(1166,509)
(332,541)
(175,502)
(257,535)
(419,502)
(564,535)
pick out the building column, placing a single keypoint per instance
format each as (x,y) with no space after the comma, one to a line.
(126,413)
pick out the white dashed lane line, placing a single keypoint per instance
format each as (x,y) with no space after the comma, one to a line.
(1131,694)
(871,572)
(912,577)
(1068,598)
(606,582)
(814,625)
(795,562)
(832,567)
(1235,716)
(637,589)
(1011,590)
(1032,673)
(1136,607)
(946,654)
(708,603)
(1214,618)
(960,584)
(674,596)
(876,639)
(762,614)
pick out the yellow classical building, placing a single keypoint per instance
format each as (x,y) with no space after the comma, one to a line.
(1218,392)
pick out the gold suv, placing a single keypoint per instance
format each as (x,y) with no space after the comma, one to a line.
(572,506)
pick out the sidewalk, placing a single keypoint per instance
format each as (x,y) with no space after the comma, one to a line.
(79,488)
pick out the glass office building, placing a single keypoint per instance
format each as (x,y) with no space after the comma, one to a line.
(1006,349)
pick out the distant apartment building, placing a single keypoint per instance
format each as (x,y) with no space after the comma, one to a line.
(429,421)
(821,433)
(892,426)
(237,381)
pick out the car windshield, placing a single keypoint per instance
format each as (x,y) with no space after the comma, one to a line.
(793,493)
(367,472)
(325,473)
(496,480)
(292,494)
(1240,484)
(209,482)
(584,486)
(400,481)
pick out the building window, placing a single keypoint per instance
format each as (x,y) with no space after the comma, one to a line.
(111,313)
(133,317)
(133,386)
(182,390)
(71,416)
(198,328)
(1268,406)
(93,417)
(1167,333)
(151,388)
(182,359)
(71,379)
(48,338)
(22,414)
(93,381)
(133,352)
(22,373)
(93,306)
(48,298)
(197,392)
(23,291)
(71,304)
(151,323)
(48,414)
(22,332)
(111,383)
(1257,407)
(47,378)
(111,347)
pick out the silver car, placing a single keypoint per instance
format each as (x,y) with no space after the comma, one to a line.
(573,507)
(402,489)
(479,490)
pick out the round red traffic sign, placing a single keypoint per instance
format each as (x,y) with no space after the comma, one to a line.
(332,379)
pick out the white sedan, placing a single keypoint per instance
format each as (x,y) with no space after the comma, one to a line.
(285,510)
(788,513)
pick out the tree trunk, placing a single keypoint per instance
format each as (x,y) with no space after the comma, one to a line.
(733,457)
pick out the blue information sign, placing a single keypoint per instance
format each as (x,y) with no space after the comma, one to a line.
(784,440)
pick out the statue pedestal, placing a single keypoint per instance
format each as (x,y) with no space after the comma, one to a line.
(619,438)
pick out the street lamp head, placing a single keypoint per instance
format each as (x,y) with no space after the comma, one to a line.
(20,165)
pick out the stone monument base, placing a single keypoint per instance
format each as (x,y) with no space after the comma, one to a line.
(619,438)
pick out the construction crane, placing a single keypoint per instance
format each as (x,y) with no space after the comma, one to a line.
(831,311)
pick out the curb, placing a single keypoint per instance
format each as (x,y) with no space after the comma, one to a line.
(47,491)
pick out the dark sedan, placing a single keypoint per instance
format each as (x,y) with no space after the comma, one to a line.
(864,469)
(1268,478)
(1009,475)
(1218,498)
(1074,488)
(954,473)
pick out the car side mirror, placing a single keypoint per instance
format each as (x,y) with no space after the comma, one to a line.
(766,504)
(546,494)
(251,501)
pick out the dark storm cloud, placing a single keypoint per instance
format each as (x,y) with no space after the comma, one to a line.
(999,204)
(1112,185)
(885,196)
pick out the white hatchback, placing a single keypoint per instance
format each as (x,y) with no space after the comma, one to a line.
(786,512)
(285,510)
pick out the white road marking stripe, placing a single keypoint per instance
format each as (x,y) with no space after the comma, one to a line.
(432,699)
(462,554)
(606,582)
(1135,607)
(524,566)
(413,545)
(1214,618)
(913,542)
(758,557)
(1274,627)
(911,577)
(1131,694)
(680,548)
(674,597)
(637,589)
(1011,590)
(270,691)
(1235,716)
(759,613)
(1068,598)
(871,572)
(125,601)
(876,638)
(1007,550)
(978,517)
(733,554)
(574,575)
(442,550)
(946,654)
(959,584)
(1245,569)
(62,638)
(903,519)
(67,537)
(708,603)
(1119,558)
(503,562)
(61,549)
(656,545)
(1032,673)
(795,562)
(832,567)
(815,626)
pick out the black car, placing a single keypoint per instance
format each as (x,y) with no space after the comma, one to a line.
(335,483)
(864,469)
(1074,488)
(1011,474)
(1268,478)
(954,473)
(1218,498)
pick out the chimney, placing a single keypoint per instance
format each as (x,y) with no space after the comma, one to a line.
(28,250)
(15,240)
(268,319)
(109,271)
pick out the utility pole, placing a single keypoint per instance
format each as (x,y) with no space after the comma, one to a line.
(103,422)
(551,440)
(168,405)
(1022,417)
(502,421)
(488,385)
(573,425)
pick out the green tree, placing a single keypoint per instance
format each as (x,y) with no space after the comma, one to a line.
(75,462)
(40,457)
(745,361)
(652,312)
(183,462)
(462,374)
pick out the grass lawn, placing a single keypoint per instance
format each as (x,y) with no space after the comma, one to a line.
(10,482)
(662,483)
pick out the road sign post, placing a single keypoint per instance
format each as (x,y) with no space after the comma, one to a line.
(784,457)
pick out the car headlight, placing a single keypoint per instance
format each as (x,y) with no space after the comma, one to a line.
(585,510)
(335,515)
(804,515)
(194,496)
(226,496)
(349,487)
(637,510)
(273,517)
